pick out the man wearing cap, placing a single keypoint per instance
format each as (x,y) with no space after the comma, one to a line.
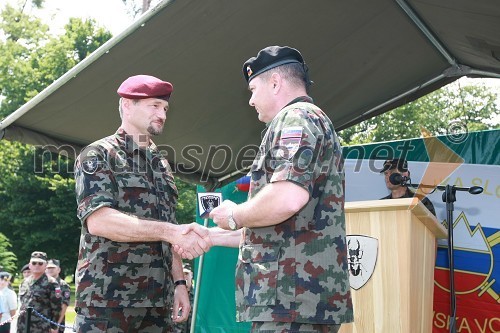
(25,271)
(292,274)
(54,269)
(42,293)
(399,165)
(8,302)
(128,279)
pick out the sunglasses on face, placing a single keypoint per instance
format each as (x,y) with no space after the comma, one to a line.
(34,263)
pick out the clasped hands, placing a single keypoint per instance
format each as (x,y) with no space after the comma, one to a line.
(195,239)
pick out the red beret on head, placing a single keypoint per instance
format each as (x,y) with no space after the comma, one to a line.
(145,86)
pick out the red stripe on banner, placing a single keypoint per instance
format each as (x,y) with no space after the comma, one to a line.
(477,311)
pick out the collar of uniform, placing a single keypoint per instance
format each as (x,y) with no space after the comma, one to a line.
(306,99)
(128,142)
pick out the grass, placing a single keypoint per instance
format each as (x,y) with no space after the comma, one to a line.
(70,312)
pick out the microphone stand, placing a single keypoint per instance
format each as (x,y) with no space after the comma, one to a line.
(449,196)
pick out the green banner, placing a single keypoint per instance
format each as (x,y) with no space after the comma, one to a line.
(216,303)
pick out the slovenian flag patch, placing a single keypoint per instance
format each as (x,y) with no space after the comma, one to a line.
(291,132)
(290,140)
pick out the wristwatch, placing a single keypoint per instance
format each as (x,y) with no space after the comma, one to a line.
(231,222)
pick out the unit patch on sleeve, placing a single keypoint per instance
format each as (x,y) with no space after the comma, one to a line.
(290,140)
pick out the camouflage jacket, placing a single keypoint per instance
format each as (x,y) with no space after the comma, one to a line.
(65,291)
(114,172)
(44,296)
(297,271)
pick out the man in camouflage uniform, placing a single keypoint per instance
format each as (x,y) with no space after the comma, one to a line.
(54,269)
(292,273)
(42,293)
(128,279)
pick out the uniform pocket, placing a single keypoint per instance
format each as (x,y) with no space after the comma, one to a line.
(89,325)
(260,266)
(133,265)
(135,194)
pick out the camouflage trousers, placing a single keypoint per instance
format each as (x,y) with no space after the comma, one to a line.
(123,320)
(279,327)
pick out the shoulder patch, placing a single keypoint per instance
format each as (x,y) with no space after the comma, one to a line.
(290,141)
(291,132)
(90,164)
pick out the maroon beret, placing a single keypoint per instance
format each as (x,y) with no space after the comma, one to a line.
(145,86)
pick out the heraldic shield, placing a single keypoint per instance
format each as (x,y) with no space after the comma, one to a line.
(207,202)
(362,253)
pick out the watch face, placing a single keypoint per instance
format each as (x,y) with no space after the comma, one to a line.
(231,224)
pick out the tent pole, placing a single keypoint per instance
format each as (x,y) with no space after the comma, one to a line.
(410,12)
(197,286)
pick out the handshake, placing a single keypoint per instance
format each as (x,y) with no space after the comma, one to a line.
(194,240)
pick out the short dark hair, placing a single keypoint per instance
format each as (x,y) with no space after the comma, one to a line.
(293,72)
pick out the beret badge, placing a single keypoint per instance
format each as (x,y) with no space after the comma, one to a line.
(249,71)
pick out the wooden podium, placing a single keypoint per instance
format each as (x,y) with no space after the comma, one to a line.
(398,297)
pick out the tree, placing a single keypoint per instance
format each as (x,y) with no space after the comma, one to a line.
(137,7)
(38,210)
(186,205)
(7,258)
(30,59)
(453,107)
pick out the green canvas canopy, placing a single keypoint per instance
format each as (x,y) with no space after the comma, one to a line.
(365,57)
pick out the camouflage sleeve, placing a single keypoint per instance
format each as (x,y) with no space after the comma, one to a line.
(66,293)
(94,182)
(294,149)
(55,302)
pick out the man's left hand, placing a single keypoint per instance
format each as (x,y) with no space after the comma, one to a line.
(182,307)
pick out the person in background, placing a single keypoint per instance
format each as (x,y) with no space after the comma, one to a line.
(25,271)
(42,293)
(399,165)
(54,269)
(8,302)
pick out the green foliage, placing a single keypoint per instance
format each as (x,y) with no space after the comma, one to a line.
(38,204)
(470,108)
(31,59)
(7,258)
(38,210)
(186,206)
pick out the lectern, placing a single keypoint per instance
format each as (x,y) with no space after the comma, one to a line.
(396,294)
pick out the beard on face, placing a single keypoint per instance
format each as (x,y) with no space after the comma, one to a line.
(154,131)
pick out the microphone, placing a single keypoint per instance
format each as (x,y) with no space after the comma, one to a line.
(398,179)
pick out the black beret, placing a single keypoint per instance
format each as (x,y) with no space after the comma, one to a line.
(145,86)
(399,163)
(270,57)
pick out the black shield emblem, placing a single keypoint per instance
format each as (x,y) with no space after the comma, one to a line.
(209,202)
(90,165)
